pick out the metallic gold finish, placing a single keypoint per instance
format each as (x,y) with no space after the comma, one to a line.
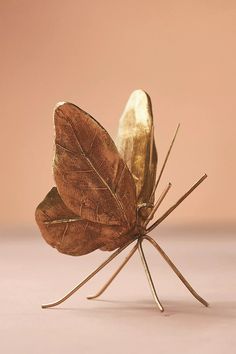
(166,258)
(77,287)
(140,240)
(158,203)
(177,272)
(136,144)
(165,161)
(105,195)
(148,274)
(176,204)
(114,275)
(163,254)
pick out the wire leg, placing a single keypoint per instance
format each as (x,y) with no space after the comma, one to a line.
(158,203)
(108,260)
(101,291)
(173,207)
(147,271)
(165,162)
(175,269)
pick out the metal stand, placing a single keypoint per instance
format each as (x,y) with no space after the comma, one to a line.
(138,245)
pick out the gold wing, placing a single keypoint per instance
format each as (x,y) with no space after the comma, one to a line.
(136,144)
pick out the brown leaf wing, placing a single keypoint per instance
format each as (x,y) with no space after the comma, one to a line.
(92,179)
(70,234)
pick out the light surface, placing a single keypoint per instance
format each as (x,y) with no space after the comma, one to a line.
(125,319)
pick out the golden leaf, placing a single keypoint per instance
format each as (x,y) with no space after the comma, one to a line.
(136,144)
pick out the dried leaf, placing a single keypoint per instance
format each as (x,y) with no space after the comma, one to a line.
(135,142)
(70,234)
(92,179)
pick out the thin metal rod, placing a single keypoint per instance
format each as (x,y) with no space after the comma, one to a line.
(151,148)
(165,161)
(177,272)
(148,274)
(127,258)
(77,287)
(158,203)
(173,207)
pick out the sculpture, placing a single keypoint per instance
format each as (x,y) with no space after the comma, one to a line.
(105,194)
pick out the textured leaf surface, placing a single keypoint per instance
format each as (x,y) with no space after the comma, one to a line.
(135,142)
(70,234)
(92,178)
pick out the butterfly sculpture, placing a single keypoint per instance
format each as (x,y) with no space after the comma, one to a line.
(105,193)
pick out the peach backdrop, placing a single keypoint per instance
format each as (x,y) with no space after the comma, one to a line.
(94,53)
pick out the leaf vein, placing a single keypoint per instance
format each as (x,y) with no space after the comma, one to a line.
(99,175)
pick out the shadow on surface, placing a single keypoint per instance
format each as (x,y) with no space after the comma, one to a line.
(216,310)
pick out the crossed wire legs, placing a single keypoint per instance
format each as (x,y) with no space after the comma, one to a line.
(138,246)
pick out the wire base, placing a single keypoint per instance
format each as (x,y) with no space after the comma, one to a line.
(137,246)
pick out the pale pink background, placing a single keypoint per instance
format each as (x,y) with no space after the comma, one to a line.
(94,53)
